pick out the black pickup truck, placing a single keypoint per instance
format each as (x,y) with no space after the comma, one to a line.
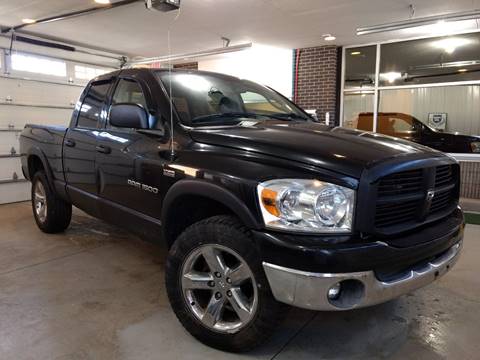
(258,204)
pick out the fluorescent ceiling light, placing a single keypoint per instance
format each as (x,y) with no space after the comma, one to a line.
(103,2)
(29,21)
(329,37)
(449,45)
(442,28)
(462,70)
(438,20)
(391,76)
(355,53)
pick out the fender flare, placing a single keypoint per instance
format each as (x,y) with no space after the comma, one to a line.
(210,191)
(36,151)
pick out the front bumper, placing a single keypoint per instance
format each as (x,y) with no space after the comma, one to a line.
(358,289)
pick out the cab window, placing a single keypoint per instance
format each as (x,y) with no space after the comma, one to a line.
(129,92)
(91,110)
(395,125)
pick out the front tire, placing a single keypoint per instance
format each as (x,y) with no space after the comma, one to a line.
(52,214)
(217,287)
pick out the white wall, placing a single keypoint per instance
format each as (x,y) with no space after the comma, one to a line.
(265,65)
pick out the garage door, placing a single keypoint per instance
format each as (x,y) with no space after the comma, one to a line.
(33,90)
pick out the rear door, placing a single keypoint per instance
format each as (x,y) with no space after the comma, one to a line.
(80,146)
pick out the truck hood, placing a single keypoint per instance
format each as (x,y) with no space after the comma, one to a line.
(337,149)
(459,136)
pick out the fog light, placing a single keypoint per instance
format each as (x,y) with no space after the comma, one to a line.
(334,291)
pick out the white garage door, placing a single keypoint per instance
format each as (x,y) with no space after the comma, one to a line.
(33,90)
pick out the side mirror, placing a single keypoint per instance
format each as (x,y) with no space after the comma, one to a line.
(131,116)
(312,114)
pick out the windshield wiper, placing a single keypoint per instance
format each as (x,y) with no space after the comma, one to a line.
(227,115)
(288,116)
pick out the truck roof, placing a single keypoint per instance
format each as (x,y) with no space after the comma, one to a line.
(145,70)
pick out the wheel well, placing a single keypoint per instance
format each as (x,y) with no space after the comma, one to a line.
(187,210)
(34,165)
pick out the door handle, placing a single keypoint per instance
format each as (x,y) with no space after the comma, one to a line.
(70,143)
(103,149)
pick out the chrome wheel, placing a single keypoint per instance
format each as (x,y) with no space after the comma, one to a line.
(219,288)
(40,201)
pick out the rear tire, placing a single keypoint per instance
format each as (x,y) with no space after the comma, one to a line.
(52,214)
(202,272)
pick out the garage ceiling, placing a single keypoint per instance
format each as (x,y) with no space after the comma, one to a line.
(134,31)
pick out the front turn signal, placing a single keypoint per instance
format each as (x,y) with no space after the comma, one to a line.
(269,201)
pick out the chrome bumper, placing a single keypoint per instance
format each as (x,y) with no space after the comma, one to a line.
(359,289)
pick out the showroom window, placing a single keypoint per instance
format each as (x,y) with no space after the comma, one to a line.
(359,84)
(433,60)
(38,65)
(415,89)
(360,67)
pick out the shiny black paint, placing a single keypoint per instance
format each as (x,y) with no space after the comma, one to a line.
(316,255)
(447,142)
(224,164)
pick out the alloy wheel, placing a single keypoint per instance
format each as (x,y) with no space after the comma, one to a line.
(40,201)
(219,288)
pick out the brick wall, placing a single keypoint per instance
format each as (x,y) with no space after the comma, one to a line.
(187,66)
(317,85)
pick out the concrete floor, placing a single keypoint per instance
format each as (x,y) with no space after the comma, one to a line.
(97,292)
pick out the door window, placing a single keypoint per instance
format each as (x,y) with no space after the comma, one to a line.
(129,92)
(90,112)
(402,125)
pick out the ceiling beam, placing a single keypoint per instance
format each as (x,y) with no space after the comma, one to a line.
(190,56)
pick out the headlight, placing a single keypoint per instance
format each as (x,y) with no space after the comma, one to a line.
(306,205)
(475,146)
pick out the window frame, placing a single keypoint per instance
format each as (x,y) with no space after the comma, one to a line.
(101,120)
(109,103)
(377,88)
(117,84)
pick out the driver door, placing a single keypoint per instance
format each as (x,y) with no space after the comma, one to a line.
(128,159)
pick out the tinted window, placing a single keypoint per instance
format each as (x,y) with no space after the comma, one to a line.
(360,67)
(129,91)
(90,112)
(433,60)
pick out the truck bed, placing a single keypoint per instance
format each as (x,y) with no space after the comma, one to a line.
(46,141)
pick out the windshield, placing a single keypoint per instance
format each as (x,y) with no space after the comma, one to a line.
(214,99)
